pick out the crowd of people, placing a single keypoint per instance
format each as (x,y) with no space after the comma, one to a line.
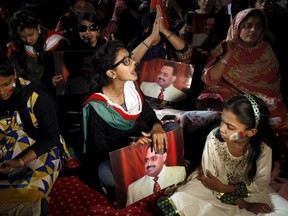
(243,59)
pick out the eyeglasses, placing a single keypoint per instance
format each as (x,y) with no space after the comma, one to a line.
(126,61)
(152,159)
(84,28)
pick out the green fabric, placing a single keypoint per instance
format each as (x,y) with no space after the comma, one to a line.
(166,207)
(108,114)
(241,189)
(229,198)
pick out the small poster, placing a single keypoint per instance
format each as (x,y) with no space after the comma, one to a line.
(166,84)
(135,167)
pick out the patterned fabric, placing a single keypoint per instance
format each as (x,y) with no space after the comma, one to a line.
(167,207)
(156,187)
(41,173)
(253,70)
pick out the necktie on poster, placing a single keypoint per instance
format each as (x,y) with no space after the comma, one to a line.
(161,94)
(156,187)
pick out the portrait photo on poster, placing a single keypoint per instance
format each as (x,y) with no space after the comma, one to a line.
(165,84)
(76,69)
(139,171)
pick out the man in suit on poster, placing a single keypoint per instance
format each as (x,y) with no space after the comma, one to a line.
(158,176)
(164,89)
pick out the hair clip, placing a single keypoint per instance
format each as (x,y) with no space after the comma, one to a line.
(255,108)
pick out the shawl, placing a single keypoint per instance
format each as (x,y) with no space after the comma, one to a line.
(113,114)
(253,70)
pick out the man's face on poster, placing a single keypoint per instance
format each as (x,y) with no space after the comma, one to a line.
(154,162)
(165,77)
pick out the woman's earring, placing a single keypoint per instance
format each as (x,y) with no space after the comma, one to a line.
(39,31)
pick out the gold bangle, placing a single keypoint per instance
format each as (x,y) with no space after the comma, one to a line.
(169,36)
(145,44)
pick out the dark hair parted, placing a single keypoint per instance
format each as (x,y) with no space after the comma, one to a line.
(242,108)
(6,68)
(20,21)
(102,61)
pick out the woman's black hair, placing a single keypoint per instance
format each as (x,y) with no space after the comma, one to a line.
(6,68)
(21,20)
(242,108)
(103,60)
(88,16)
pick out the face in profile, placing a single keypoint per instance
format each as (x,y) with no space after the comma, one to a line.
(165,77)
(7,84)
(154,162)
(266,6)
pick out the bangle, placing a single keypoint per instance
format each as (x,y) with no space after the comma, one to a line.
(224,62)
(23,162)
(169,36)
(145,44)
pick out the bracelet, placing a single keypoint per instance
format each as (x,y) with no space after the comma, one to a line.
(228,198)
(169,36)
(23,162)
(224,62)
(145,44)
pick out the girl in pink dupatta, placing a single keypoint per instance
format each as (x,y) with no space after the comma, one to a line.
(244,63)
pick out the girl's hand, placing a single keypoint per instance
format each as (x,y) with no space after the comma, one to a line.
(160,17)
(56,79)
(256,208)
(155,30)
(143,140)
(7,165)
(159,139)
(230,47)
(211,182)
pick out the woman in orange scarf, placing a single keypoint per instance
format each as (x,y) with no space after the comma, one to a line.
(244,63)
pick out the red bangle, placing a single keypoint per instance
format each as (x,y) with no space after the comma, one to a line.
(24,161)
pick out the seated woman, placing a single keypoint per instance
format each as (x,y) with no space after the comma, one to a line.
(236,166)
(116,113)
(29,144)
(243,63)
(89,38)
(30,45)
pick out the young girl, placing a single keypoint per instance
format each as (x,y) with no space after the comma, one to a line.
(29,46)
(236,166)
(29,144)
(115,112)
